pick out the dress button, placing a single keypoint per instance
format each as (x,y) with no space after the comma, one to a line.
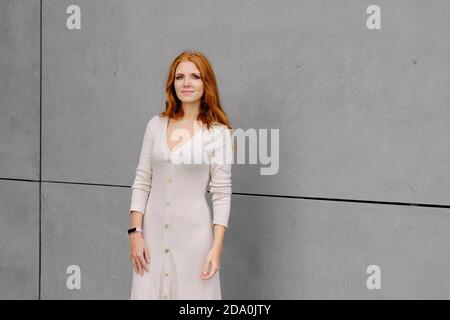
(166,250)
(167,274)
(167,203)
(168,160)
(166,226)
(169,179)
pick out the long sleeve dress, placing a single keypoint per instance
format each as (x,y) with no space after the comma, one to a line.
(177,222)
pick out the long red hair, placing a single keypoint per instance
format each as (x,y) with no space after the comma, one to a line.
(211,111)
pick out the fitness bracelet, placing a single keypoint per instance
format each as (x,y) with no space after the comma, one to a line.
(134,230)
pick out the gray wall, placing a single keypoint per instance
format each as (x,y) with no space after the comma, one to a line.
(364,119)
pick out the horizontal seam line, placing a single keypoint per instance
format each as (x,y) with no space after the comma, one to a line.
(397,203)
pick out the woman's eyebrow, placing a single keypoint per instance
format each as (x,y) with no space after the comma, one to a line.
(191,73)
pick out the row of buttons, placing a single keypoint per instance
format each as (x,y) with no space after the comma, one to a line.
(166,226)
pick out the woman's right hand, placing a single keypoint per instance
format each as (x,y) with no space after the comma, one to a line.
(139,253)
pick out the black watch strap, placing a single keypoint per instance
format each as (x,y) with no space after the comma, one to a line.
(134,230)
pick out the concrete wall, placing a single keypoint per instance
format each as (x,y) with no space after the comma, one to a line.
(364,119)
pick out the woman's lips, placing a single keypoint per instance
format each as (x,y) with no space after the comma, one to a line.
(187,92)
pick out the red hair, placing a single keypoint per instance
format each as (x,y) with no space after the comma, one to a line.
(211,111)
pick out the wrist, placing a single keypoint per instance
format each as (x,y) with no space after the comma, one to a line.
(134,230)
(135,235)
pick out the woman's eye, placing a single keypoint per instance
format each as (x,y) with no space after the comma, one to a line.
(180,77)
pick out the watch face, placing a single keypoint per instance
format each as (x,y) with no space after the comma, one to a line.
(131,230)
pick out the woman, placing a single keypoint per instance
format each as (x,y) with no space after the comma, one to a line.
(177,243)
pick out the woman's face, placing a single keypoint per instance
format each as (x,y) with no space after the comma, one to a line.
(188,83)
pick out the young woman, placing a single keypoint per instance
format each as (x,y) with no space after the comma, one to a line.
(175,242)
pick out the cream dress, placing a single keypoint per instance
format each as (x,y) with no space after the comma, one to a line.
(170,189)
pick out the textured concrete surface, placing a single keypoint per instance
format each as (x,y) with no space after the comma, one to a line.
(363,115)
(308,249)
(19,89)
(85,226)
(19,240)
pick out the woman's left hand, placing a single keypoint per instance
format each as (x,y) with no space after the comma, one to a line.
(212,264)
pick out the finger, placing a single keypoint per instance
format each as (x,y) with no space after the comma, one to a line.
(134,265)
(215,268)
(208,274)
(138,265)
(211,273)
(143,263)
(147,255)
(205,268)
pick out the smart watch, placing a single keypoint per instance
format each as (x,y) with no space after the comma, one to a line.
(134,230)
